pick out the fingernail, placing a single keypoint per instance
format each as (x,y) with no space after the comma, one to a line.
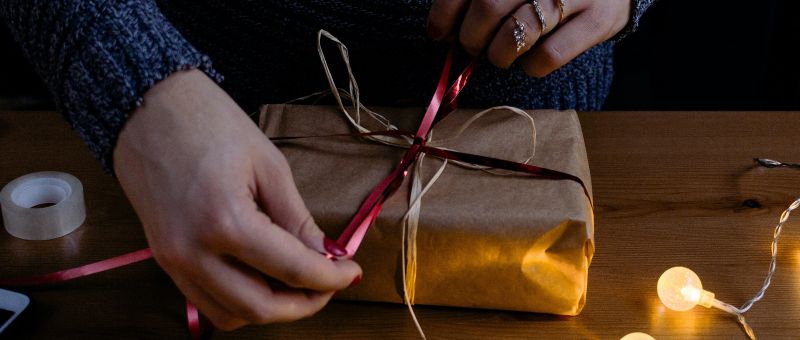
(355,282)
(434,32)
(334,248)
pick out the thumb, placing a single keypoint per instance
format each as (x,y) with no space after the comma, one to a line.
(277,194)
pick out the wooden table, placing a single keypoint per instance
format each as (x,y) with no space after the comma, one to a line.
(671,188)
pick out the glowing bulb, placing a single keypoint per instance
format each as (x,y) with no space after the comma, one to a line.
(680,289)
(637,336)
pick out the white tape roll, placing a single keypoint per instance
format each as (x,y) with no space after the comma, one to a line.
(21,200)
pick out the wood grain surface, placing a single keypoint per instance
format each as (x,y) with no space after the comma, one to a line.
(671,188)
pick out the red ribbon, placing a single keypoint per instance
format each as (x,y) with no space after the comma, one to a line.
(353,235)
(192,317)
(85,270)
(193,320)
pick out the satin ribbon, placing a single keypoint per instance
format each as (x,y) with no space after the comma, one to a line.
(85,270)
(353,235)
(192,316)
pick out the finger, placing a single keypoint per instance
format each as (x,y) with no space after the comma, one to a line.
(277,194)
(220,316)
(481,22)
(248,296)
(568,8)
(282,256)
(550,14)
(285,299)
(503,49)
(573,38)
(443,17)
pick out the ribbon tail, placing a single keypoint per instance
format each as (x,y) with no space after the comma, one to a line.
(354,239)
(450,99)
(193,321)
(436,101)
(409,235)
(534,171)
(388,133)
(85,270)
(410,224)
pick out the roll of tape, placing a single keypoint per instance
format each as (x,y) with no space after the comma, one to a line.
(43,205)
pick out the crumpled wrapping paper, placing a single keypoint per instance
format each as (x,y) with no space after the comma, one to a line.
(485,240)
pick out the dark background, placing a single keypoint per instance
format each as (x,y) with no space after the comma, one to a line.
(687,55)
(711,55)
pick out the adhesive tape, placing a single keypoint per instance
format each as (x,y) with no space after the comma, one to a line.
(23,203)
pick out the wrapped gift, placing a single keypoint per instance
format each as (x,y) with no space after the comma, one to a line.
(485,238)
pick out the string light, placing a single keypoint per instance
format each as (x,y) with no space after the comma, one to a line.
(680,289)
(637,336)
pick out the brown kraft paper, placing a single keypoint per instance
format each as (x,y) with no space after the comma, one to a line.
(485,240)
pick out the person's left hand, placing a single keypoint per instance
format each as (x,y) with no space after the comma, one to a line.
(482,24)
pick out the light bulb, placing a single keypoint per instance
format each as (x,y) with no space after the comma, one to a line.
(637,336)
(680,289)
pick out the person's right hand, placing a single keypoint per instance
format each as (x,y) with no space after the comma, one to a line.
(572,27)
(220,208)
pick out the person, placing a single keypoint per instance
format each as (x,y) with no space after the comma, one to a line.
(215,197)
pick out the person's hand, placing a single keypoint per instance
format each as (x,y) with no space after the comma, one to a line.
(220,208)
(489,24)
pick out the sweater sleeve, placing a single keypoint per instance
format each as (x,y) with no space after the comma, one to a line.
(638,7)
(99,57)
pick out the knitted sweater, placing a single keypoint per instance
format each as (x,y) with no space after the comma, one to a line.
(99,57)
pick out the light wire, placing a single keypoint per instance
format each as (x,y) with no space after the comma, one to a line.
(776,236)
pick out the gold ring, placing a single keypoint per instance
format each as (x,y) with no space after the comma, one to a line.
(561,5)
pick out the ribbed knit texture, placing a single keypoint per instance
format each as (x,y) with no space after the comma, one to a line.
(100,57)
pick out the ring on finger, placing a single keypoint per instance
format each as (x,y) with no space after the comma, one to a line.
(519,33)
(561,5)
(537,8)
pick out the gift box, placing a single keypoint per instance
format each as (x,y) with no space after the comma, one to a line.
(485,238)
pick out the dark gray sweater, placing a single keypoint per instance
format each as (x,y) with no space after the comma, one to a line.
(99,57)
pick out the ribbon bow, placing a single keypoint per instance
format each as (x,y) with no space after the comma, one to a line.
(418,145)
